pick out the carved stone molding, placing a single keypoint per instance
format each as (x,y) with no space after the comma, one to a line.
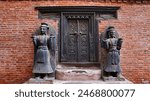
(77,17)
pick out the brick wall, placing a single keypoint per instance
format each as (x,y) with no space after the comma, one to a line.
(19,20)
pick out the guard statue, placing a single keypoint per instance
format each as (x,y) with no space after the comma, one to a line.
(42,44)
(112,44)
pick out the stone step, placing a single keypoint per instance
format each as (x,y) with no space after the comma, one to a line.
(53,81)
(78,74)
(92,82)
(33,81)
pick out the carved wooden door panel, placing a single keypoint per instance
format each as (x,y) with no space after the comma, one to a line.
(72,40)
(77,38)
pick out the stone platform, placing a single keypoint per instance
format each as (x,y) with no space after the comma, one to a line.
(34,81)
(78,74)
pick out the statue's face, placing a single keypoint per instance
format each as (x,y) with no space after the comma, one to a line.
(112,33)
(43,29)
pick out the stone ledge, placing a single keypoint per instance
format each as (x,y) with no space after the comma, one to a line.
(78,74)
(92,82)
(52,81)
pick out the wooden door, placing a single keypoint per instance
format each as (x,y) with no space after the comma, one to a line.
(77,38)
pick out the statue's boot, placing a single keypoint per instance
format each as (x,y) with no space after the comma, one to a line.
(47,77)
(120,77)
(37,78)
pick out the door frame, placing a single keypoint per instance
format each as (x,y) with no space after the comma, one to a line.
(93,51)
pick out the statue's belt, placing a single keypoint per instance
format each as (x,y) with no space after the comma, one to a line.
(43,47)
(113,50)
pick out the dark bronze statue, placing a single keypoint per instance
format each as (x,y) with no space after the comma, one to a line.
(113,45)
(42,44)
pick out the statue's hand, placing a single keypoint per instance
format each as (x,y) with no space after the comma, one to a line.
(33,36)
(120,39)
(104,40)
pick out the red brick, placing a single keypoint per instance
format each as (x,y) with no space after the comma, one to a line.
(19,20)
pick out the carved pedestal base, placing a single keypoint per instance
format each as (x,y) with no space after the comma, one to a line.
(111,78)
(40,81)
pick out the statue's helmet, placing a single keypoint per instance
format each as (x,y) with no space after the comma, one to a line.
(45,25)
(111,31)
(44,28)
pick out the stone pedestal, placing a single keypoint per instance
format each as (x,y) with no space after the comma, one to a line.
(39,81)
(78,74)
(110,78)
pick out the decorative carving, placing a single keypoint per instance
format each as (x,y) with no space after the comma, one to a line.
(78,40)
(83,41)
(76,36)
(72,44)
(113,45)
(43,43)
(77,16)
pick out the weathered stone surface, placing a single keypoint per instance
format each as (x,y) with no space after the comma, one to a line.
(111,78)
(39,81)
(42,81)
(92,82)
(78,74)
